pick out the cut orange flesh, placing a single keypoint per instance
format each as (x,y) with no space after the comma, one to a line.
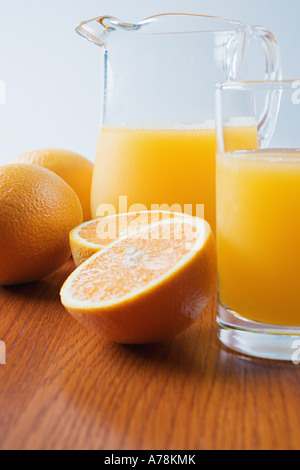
(92,236)
(147,286)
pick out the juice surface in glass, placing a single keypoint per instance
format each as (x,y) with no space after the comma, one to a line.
(166,169)
(258,201)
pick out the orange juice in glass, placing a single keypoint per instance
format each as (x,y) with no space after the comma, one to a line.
(258,224)
(258,235)
(161,168)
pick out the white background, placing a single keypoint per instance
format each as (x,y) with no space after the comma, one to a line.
(53,76)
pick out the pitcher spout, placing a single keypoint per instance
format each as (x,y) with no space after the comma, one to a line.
(98,29)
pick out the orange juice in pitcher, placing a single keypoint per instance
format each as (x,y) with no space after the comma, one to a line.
(160,169)
(157,140)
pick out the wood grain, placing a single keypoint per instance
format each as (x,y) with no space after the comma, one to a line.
(65,388)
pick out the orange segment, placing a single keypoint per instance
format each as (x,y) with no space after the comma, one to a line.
(147,286)
(92,236)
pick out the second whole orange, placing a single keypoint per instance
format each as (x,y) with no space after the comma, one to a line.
(37,212)
(73,168)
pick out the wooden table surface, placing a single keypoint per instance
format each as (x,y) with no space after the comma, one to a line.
(65,388)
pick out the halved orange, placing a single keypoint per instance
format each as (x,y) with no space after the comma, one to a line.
(94,235)
(149,285)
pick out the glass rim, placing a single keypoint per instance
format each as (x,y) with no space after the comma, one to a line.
(245,84)
(270,155)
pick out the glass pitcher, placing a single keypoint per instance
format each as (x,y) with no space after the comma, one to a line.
(156,147)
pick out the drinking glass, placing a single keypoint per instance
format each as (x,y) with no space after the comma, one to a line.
(258,219)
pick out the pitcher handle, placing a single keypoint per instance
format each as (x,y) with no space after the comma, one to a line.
(273,71)
(271,50)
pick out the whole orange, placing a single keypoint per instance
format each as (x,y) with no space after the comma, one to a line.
(75,169)
(37,211)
